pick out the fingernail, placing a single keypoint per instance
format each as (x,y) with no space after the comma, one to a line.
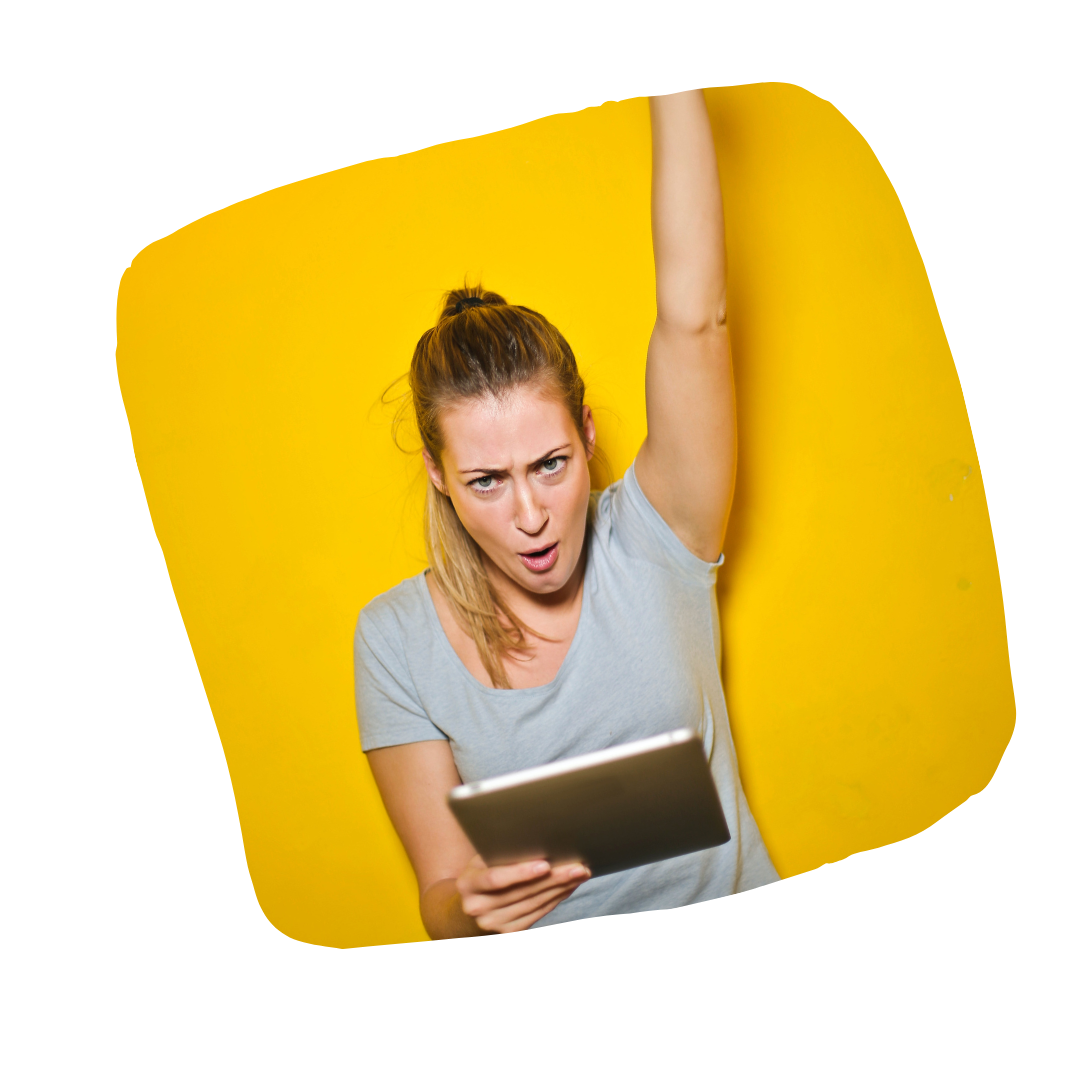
(539,867)
(579,871)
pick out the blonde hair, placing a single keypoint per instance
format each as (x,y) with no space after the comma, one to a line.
(481,346)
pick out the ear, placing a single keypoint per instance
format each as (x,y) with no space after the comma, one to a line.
(588,424)
(434,472)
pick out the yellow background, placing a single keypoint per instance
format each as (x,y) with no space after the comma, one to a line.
(865,654)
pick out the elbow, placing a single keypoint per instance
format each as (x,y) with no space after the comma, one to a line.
(691,310)
(692,322)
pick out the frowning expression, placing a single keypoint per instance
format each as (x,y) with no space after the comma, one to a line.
(517,473)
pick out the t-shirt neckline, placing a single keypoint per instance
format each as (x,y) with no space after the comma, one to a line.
(456,661)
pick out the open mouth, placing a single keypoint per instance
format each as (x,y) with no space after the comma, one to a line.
(542,559)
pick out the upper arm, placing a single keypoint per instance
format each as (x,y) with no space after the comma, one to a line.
(414,779)
(686,467)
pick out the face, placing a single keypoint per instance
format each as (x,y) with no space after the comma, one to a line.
(517,474)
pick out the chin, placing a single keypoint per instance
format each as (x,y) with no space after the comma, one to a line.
(546,584)
(550,582)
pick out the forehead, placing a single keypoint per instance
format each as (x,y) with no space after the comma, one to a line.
(499,432)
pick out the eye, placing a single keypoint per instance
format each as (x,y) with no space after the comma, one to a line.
(483,483)
(551,467)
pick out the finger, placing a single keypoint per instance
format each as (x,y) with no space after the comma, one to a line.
(480,903)
(499,918)
(525,921)
(483,890)
(573,871)
(504,877)
(567,874)
(520,916)
(484,903)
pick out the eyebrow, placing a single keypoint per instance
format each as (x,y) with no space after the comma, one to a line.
(491,472)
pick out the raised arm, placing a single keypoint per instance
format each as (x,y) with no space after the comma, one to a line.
(686,466)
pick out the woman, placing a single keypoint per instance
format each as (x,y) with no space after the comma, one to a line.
(551,622)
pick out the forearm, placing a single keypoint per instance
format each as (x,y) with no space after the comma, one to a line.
(687,215)
(440,910)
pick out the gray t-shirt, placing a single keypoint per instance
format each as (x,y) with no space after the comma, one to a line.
(644,660)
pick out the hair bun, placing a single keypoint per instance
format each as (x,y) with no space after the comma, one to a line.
(459,300)
(468,301)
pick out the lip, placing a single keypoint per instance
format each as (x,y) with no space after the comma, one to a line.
(540,562)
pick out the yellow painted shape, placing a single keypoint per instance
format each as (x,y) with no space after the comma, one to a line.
(865,653)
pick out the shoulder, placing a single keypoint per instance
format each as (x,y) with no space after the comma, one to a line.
(391,644)
(622,499)
(622,510)
(626,524)
(390,631)
(395,615)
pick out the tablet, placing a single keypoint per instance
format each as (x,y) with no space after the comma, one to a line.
(612,810)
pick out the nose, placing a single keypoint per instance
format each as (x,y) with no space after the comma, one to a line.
(529,516)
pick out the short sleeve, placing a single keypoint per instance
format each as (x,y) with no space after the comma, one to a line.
(637,527)
(387,706)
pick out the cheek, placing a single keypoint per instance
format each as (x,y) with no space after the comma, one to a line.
(573,499)
(485,522)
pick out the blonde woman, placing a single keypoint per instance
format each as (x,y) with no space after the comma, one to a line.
(553,621)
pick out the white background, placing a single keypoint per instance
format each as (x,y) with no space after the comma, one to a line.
(132,941)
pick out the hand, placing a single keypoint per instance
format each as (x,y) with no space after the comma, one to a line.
(503,899)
